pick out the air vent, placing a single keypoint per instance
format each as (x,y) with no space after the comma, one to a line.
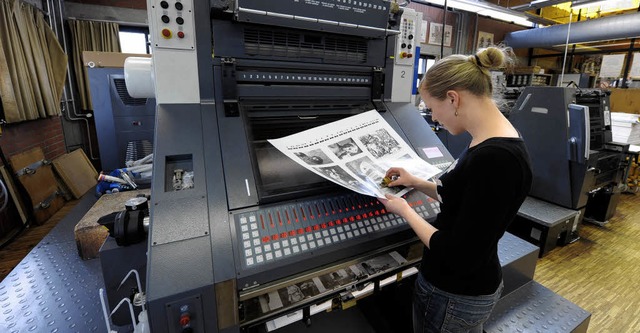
(291,44)
(138,149)
(121,87)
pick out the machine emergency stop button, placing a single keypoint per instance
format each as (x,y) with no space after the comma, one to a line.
(403,55)
(166,33)
(180,34)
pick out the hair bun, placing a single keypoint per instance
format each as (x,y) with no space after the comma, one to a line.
(491,57)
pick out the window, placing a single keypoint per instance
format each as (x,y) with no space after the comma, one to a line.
(424,63)
(134,40)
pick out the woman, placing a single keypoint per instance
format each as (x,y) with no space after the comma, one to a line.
(460,276)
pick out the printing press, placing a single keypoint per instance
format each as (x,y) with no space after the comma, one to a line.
(573,156)
(228,76)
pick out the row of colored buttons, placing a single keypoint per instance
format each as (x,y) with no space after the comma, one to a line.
(166,33)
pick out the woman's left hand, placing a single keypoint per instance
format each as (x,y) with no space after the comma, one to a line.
(396,205)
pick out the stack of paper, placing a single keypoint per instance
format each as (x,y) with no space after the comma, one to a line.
(625,127)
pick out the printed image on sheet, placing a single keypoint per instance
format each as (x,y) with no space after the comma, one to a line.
(367,170)
(339,175)
(270,302)
(380,264)
(380,143)
(314,157)
(345,148)
(372,175)
(338,278)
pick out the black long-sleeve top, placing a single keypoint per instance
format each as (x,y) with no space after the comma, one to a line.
(481,195)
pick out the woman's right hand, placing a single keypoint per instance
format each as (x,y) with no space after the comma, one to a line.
(400,176)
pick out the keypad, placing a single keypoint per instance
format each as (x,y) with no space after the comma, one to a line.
(284,231)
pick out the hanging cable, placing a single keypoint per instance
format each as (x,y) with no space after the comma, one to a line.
(566,48)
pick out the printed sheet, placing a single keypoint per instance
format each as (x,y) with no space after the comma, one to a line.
(355,152)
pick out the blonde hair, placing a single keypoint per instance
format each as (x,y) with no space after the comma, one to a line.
(462,72)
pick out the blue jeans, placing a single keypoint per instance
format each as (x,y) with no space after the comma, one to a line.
(436,311)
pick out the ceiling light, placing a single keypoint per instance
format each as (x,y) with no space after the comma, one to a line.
(491,10)
(507,17)
(585,4)
(485,9)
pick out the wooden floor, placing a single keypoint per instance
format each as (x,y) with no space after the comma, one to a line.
(14,252)
(600,272)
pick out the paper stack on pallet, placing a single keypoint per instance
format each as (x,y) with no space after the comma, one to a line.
(625,127)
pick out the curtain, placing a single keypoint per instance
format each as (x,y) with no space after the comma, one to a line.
(90,36)
(32,64)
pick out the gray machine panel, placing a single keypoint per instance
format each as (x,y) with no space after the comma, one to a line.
(546,108)
(180,148)
(304,46)
(121,121)
(191,266)
(360,18)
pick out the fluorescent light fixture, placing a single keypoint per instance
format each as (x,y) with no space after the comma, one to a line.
(464,6)
(586,4)
(485,9)
(507,17)
(491,10)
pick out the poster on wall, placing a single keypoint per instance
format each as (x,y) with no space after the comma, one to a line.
(634,72)
(612,65)
(485,39)
(435,34)
(423,32)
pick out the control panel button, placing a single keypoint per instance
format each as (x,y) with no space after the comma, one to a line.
(179,6)
(166,33)
(180,20)
(410,37)
(165,19)
(164,4)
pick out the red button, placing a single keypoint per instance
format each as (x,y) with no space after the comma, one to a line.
(166,33)
(185,319)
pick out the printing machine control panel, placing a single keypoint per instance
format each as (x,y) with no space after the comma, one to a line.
(173,26)
(406,46)
(297,229)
